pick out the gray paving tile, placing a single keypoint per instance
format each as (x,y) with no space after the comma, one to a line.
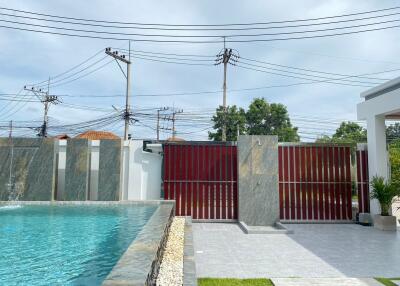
(325,282)
(330,250)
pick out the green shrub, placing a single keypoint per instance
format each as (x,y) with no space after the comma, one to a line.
(384,192)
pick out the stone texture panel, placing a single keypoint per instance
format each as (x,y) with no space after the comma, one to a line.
(109,170)
(33,168)
(258,180)
(76,170)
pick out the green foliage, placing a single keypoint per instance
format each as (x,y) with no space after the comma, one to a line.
(384,192)
(234,282)
(348,132)
(394,157)
(387,281)
(235,118)
(261,118)
(270,119)
(393,132)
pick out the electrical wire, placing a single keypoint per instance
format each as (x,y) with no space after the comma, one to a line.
(202,25)
(228,36)
(199,42)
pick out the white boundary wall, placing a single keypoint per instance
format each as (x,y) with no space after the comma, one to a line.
(141,172)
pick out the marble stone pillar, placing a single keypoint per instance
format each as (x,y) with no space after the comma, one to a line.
(109,170)
(76,170)
(258,180)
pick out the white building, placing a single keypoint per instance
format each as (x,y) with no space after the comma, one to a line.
(381,103)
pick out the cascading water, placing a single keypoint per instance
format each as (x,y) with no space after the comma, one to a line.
(13,189)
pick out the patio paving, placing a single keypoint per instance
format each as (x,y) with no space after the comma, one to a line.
(325,282)
(323,250)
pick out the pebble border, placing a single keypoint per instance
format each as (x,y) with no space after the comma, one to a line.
(171,268)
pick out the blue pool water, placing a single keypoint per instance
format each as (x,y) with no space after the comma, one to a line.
(65,245)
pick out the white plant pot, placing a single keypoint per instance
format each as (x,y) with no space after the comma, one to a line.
(385,222)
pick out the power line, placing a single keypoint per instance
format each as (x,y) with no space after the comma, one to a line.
(215,91)
(72,75)
(198,29)
(229,36)
(198,42)
(70,69)
(201,25)
(312,77)
(308,70)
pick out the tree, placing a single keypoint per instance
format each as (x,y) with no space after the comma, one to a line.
(270,119)
(393,132)
(235,118)
(260,119)
(348,132)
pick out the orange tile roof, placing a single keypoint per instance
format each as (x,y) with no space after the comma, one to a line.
(97,135)
(62,136)
(175,139)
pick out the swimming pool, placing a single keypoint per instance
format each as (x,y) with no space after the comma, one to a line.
(66,244)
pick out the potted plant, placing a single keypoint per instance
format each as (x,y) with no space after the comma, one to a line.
(385,193)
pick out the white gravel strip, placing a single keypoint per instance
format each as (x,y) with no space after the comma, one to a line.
(171,268)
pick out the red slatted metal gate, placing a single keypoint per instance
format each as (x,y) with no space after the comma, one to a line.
(362,180)
(202,179)
(314,182)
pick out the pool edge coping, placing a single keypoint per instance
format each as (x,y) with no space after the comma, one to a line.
(140,263)
(128,202)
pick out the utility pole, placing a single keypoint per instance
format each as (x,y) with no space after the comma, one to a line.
(224,57)
(158,120)
(172,117)
(173,121)
(127,60)
(47,100)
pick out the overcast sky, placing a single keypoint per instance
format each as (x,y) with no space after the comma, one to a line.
(27,57)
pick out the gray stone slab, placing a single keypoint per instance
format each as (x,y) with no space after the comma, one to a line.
(76,170)
(312,251)
(33,168)
(278,228)
(109,170)
(258,180)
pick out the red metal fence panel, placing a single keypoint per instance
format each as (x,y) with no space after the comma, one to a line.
(314,182)
(202,179)
(362,181)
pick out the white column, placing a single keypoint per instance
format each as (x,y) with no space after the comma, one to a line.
(377,153)
(62,161)
(136,173)
(124,178)
(94,169)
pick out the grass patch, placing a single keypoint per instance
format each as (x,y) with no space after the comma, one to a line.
(387,281)
(234,282)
